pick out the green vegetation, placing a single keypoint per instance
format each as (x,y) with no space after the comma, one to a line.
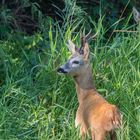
(38,104)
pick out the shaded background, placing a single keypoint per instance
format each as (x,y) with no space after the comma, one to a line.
(24,14)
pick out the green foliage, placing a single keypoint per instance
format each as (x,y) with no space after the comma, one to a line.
(37,103)
(22,15)
(29,16)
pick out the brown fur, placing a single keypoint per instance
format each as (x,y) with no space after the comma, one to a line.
(94,113)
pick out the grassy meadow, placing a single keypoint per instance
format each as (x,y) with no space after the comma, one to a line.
(38,104)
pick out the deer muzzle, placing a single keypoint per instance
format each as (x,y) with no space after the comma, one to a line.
(61,70)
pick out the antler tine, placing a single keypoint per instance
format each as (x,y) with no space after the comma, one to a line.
(82,43)
(83,39)
(92,37)
(88,35)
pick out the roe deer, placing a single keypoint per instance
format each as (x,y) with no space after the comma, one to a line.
(94,114)
(136,15)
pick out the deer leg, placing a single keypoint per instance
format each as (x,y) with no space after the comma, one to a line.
(113,135)
(92,136)
(83,132)
(98,135)
(83,137)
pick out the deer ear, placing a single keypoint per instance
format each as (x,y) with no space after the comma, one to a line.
(71,46)
(86,51)
(136,15)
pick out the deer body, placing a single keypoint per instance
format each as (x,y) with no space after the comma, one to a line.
(94,114)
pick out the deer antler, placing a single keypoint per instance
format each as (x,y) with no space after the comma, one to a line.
(86,39)
(89,36)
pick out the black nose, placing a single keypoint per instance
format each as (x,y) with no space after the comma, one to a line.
(61,70)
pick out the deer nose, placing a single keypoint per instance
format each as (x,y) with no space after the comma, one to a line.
(61,70)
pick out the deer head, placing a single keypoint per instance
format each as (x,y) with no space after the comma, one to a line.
(136,15)
(78,61)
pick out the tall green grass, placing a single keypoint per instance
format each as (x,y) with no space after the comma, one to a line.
(37,103)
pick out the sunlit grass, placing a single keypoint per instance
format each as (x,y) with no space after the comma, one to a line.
(37,103)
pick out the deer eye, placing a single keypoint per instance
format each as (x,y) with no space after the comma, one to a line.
(76,62)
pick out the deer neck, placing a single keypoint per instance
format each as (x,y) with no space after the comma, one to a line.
(84,84)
